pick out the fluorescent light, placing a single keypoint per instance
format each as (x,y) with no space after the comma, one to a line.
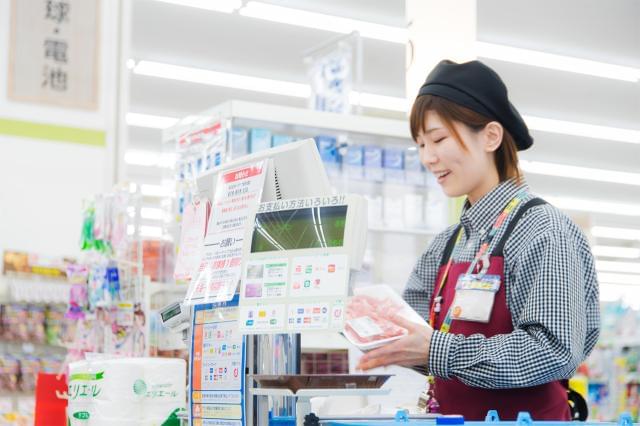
(614,251)
(226,6)
(626,279)
(557,62)
(152,213)
(150,158)
(215,78)
(615,233)
(594,206)
(370,100)
(256,84)
(151,121)
(582,129)
(575,172)
(320,21)
(608,266)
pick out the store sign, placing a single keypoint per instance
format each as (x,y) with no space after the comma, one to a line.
(54,49)
(331,80)
(238,192)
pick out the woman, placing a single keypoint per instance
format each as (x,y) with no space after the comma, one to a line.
(510,293)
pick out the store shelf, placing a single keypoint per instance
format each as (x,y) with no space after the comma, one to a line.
(299,117)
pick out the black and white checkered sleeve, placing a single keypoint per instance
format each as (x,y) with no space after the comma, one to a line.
(548,290)
(420,284)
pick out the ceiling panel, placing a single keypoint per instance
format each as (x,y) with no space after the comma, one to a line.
(607,31)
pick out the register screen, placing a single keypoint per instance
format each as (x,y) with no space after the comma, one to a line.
(304,228)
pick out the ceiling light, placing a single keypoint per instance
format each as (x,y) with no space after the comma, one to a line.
(257,84)
(320,21)
(594,206)
(226,6)
(151,121)
(582,129)
(625,279)
(628,267)
(557,62)
(214,78)
(615,233)
(575,172)
(614,251)
(370,100)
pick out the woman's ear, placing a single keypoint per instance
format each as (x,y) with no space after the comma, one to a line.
(492,135)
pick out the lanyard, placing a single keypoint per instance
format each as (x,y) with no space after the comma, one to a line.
(481,255)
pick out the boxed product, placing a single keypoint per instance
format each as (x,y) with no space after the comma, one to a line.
(393,164)
(327,147)
(373,163)
(353,162)
(279,140)
(259,140)
(413,169)
(370,317)
(239,142)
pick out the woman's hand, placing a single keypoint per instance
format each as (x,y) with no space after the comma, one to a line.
(411,350)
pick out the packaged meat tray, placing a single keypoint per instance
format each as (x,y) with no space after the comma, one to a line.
(369,317)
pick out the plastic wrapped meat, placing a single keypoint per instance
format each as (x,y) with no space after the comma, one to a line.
(369,319)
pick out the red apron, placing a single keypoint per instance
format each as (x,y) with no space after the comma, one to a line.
(543,402)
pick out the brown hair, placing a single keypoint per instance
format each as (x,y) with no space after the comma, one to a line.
(506,156)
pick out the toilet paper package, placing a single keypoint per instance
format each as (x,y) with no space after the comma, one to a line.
(120,391)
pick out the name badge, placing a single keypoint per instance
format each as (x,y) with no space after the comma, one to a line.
(474,297)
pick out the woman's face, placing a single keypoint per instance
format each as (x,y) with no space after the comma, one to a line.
(460,172)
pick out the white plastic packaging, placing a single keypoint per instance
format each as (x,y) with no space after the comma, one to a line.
(370,317)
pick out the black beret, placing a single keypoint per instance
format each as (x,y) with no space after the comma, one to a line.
(479,88)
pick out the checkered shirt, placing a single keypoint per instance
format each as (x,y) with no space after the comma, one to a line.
(552,294)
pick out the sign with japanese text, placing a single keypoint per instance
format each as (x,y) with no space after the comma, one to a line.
(238,192)
(54,50)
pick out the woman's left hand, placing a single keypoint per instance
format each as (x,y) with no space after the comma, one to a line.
(409,351)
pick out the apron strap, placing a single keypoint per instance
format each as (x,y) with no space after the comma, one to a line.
(499,248)
(450,245)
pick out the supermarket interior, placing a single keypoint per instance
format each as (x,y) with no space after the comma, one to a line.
(282,212)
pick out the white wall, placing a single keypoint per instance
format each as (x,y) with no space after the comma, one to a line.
(43,183)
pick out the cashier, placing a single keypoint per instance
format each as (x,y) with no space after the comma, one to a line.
(510,292)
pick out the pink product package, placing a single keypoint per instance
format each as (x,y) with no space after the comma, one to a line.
(370,317)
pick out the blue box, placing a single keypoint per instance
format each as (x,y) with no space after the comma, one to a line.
(413,168)
(372,156)
(259,140)
(393,159)
(327,147)
(373,163)
(393,163)
(353,162)
(279,140)
(239,142)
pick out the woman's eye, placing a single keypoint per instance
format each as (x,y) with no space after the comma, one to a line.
(421,146)
(439,140)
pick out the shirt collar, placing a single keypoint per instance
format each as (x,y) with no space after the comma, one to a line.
(481,216)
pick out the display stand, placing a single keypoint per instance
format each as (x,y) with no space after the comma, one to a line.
(303,397)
